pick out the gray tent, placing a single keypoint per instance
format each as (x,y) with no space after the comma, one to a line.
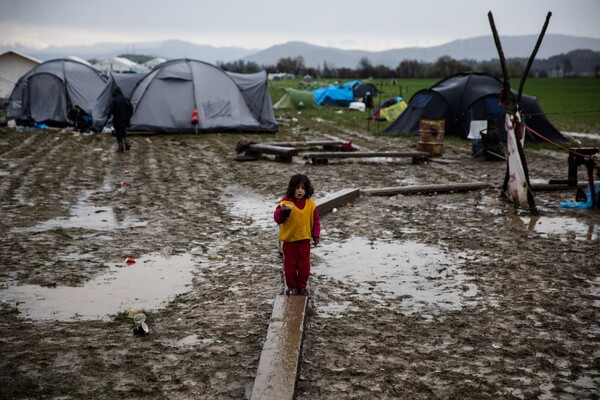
(165,99)
(48,92)
(126,82)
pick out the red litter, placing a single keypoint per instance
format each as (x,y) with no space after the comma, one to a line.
(130,260)
(123,183)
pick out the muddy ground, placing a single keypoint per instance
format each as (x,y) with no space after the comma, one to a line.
(526,327)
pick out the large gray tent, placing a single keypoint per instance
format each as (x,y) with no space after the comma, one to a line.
(47,92)
(165,99)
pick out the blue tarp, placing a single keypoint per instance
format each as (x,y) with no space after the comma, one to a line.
(583,204)
(336,95)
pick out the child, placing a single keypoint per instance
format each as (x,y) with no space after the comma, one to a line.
(299,221)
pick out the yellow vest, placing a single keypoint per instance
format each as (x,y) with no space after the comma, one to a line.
(298,226)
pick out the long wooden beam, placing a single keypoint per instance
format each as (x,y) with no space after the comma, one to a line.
(308,144)
(272,149)
(451,187)
(365,154)
(458,187)
(277,372)
(337,199)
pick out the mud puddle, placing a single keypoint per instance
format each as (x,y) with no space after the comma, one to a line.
(87,216)
(564,228)
(424,276)
(149,283)
(250,207)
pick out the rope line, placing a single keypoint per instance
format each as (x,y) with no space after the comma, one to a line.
(558,145)
(561,113)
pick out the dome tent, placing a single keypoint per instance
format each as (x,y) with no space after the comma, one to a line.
(48,92)
(166,97)
(296,99)
(124,81)
(462,98)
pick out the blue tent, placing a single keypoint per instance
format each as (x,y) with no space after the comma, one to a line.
(336,95)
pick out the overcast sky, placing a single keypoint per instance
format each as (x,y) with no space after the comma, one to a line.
(372,25)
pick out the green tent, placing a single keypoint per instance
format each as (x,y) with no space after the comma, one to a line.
(296,99)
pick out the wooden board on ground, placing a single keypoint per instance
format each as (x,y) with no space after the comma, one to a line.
(324,157)
(450,187)
(277,372)
(255,150)
(444,161)
(325,144)
(337,199)
(541,187)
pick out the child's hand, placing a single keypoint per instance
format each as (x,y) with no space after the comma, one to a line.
(286,207)
(316,240)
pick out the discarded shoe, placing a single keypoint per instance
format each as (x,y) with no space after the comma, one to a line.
(141,330)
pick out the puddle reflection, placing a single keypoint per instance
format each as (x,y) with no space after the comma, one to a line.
(561,226)
(86,216)
(148,284)
(425,275)
(245,203)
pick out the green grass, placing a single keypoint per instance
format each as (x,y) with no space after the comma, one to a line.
(571,104)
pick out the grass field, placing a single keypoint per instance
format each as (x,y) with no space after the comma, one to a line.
(571,104)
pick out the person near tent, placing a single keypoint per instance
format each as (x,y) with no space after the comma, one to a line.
(299,222)
(121,110)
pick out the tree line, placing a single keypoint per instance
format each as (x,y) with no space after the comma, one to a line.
(557,66)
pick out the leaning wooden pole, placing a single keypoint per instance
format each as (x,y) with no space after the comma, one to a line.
(513,111)
(506,96)
(532,57)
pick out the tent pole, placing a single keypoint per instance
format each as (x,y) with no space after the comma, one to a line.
(379,106)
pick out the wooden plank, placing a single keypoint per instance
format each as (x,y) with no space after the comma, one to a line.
(277,372)
(444,161)
(457,187)
(308,144)
(364,154)
(337,199)
(452,187)
(272,149)
(541,187)
(322,158)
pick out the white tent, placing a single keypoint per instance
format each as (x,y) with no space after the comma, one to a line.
(120,64)
(13,65)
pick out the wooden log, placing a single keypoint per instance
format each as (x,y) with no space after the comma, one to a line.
(452,187)
(337,199)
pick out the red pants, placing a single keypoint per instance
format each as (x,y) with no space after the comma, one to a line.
(296,263)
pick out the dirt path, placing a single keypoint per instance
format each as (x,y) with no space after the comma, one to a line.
(523,322)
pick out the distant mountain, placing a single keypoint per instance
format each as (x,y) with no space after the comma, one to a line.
(480,48)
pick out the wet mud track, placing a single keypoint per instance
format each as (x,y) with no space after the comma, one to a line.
(524,325)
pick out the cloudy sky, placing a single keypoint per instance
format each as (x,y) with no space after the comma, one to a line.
(258,24)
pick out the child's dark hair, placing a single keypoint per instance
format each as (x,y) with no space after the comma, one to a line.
(295,181)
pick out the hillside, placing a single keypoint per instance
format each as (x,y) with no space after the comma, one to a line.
(478,48)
